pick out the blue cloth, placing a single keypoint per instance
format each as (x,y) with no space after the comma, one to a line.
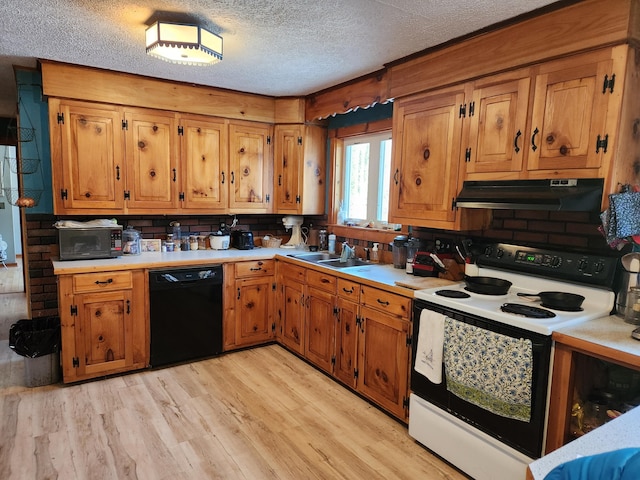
(623,464)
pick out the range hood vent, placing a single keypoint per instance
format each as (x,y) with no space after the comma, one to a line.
(572,195)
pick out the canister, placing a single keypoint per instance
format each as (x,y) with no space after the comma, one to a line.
(130,241)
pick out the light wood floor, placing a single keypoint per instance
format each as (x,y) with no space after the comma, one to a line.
(256,414)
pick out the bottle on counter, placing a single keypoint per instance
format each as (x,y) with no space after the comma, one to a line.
(322,240)
(374,254)
(177,234)
(332,243)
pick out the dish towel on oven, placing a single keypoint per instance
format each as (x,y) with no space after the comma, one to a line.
(490,370)
(430,345)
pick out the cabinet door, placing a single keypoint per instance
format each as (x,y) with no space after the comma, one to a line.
(346,342)
(205,164)
(497,125)
(254,310)
(427,131)
(250,161)
(319,328)
(91,155)
(292,315)
(104,332)
(152,169)
(383,360)
(288,158)
(569,113)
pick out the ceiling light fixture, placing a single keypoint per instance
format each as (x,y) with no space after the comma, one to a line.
(183,43)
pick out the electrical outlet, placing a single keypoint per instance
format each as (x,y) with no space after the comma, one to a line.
(443,246)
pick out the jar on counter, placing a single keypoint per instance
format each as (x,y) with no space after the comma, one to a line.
(131,241)
(202,242)
(193,242)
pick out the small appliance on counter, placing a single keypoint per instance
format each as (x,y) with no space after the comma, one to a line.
(219,241)
(90,240)
(298,239)
(242,240)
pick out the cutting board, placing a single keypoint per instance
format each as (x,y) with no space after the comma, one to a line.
(420,283)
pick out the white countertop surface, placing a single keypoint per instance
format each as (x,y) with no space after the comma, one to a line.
(612,332)
(376,274)
(621,432)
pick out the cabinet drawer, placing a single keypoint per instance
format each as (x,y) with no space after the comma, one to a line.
(321,280)
(100,282)
(253,268)
(349,289)
(292,271)
(386,302)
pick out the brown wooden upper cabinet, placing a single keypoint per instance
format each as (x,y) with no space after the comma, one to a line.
(558,119)
(300,169)
(555,120)
(250,160)
(110,159)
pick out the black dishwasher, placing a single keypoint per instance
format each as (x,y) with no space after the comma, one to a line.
(185,314)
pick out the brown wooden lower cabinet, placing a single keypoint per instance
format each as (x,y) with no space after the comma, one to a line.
(104,323)
(356,333)
(249,303)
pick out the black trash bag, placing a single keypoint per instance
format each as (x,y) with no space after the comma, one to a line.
(35,338)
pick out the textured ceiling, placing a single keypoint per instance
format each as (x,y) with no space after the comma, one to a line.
(271,47)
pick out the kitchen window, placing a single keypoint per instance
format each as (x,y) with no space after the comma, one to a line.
(366,178)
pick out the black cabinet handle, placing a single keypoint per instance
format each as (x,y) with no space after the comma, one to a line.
(174,175)
(383,302)
(223,178)
(515,141)
(395,176)
(117,172)
(106,282)
(233,178)
(128,306)
(534,147)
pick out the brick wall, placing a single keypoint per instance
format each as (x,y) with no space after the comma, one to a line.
(561,230)
(42,244)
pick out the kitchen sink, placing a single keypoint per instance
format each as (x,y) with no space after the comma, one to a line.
(329,259)
(336,263)
(315,256)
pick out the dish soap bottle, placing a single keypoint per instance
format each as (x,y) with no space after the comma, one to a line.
(374,253)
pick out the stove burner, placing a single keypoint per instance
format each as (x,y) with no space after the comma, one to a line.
(452,293)
(526,310)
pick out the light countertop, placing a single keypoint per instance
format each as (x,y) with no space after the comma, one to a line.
(621,432)
(377,275)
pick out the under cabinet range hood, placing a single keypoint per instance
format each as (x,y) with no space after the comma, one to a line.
(570,195)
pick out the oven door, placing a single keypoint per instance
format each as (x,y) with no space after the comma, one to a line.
(526,437)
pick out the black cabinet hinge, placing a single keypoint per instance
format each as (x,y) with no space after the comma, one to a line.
(64,194)
(127,195)
(75,362)
(453,204)
(409,340)
(60,118)
(268,139)
(602,143)
(472,109)
(608,83)
(467,155)
(268,197)
(463,111)
(405,402)
(333,360)
(125,125)
(74,310)
(181,196)
(299,140)
(298,199)
(273,327)
(273,286)
(180,130)
(355,373)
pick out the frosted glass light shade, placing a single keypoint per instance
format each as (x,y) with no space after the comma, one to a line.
(183,43)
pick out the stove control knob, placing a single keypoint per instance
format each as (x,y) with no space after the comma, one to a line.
(556,262)
(499,253)
(583,265)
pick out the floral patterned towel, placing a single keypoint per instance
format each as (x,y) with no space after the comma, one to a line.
(487,369)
